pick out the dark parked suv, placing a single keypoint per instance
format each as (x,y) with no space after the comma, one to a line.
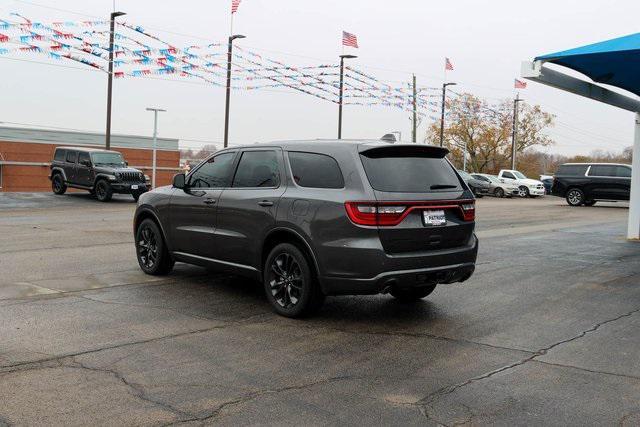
(316,218)
(586,183)
(101,172)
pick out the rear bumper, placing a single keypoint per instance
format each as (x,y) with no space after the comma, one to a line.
(423,269)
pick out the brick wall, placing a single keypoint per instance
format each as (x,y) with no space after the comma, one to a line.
(35,178)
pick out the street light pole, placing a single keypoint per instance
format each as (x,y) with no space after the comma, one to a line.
(227,99)
(114,15)
(444,99)
(514,131)
(155,143)
(342,58)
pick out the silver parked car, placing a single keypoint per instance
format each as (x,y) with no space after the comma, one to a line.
(498,188)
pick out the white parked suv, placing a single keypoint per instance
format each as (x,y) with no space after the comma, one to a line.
(527,187)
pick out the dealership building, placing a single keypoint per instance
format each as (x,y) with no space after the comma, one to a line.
(26,154)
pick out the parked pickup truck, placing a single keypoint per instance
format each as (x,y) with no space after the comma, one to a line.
(527,187)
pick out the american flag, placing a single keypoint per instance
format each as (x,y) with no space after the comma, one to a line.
(448,66)
(519,84)
(234,5)
(349,39)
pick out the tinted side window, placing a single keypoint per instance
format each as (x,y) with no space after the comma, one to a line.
(508,175)
(315,170)
(71,156)
(572,170)
(214,173)
(623,171)
(59,155)
(257,169)
(602,170)
(84,157)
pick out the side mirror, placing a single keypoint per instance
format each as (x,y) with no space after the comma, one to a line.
(86,163)
(179,181)
(126,163)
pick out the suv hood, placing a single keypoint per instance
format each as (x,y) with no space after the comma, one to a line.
(113,169)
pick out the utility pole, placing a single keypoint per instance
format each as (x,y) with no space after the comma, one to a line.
(227,98)
(155,143)
(112,29)
(342,58)
(514,131)
(444,100)
(415,113)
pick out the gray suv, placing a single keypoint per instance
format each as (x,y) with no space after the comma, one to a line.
(316,218)
(101,172)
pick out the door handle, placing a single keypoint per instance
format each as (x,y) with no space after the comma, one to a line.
(210,201)
(265,203)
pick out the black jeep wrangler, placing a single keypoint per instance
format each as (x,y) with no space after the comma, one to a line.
(101,172)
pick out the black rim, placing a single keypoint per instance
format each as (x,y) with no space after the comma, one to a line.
(101,192)
(57,184)
(147,247)
(285,280)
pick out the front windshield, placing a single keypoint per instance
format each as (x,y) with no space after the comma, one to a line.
(519,175)
(109,159)
(493,178)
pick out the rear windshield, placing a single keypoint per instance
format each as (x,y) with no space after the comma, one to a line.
(409,172)
(572,170)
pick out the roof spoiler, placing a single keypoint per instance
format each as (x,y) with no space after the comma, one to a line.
(403,150)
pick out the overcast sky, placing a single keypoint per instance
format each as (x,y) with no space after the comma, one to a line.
(486,41)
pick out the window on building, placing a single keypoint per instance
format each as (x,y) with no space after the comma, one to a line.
(315,170)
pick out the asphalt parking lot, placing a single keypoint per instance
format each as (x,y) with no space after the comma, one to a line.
(547,331)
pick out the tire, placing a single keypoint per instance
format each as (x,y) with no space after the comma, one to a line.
(412,294)
(151,250)
(135,196)
(103,191)
(498,192)
(523,192)
(575,197)
(590,203)
(290,283)
(57,184)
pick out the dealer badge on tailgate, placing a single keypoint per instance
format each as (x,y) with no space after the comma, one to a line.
(434,217)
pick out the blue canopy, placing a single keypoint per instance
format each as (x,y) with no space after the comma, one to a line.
(613,62)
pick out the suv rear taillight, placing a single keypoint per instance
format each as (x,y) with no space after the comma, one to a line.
(392,213)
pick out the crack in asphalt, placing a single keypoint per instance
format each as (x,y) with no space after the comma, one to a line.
(217,411)
(593,371)
(22,365)
(428,401)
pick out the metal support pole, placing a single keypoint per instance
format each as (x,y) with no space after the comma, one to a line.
(444,99)
(155,148)
(114,15)
(228,95)
(464,157)
(415,113)
(514,131)
(342,58)
(155,143)
(633,230)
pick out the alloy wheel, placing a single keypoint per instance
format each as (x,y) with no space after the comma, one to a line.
(574,197)
(57,184)
(147,247)
(286,280)
(523,192)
